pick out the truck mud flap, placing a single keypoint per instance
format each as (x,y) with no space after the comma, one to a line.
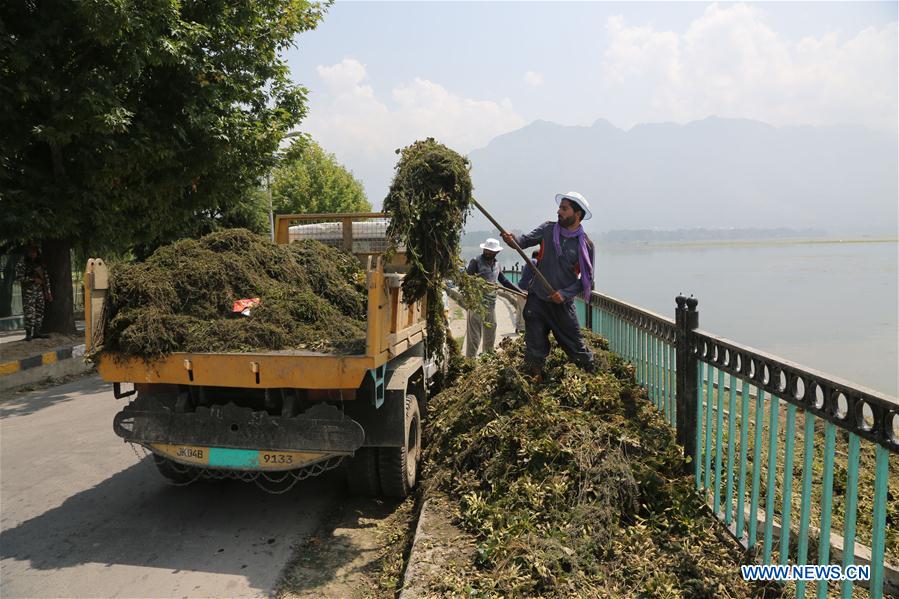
(321,428)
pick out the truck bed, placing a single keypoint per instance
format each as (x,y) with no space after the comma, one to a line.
(392,328)
(288,368)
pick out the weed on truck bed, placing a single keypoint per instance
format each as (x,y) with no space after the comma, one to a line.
(312,296)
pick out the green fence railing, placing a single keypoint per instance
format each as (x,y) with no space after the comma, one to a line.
(794,462)
(513,275)
(837,500)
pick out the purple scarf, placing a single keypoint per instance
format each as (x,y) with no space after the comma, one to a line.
(583,255)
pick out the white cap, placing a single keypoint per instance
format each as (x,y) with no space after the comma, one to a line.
(573,196)
(491,245)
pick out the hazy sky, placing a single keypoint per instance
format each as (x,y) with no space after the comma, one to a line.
(381,75)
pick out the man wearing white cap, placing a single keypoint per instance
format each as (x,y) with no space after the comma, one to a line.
(486,267)
(566,262)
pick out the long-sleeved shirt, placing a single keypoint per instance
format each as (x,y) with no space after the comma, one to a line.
(27,270)
(559,270)
(490,272)
(527,275)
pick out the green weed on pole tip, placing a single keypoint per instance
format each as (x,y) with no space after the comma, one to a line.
(428,203)
(313,297)
(572,487)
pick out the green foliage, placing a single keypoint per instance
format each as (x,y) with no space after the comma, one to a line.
(428,203)
(250,213)
(309,180)
(180,299)
(121,121)
(573,487)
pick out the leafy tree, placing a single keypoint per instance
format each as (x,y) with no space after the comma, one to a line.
(122,120)
(249,211)
(309,179)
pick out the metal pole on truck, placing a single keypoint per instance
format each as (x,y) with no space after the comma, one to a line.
(271,211)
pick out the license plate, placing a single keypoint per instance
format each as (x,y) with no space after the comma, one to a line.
(237,459)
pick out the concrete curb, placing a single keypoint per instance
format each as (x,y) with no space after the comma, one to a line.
(415,558)
(438,544)
(55,363)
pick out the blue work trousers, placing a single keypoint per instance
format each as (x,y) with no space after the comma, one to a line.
(541,317)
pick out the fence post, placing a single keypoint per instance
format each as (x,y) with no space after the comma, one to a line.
(686,319)
(588,313)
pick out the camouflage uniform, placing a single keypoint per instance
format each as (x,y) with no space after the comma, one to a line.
(32,293)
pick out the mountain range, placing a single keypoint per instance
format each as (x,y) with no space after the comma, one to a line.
(712,173)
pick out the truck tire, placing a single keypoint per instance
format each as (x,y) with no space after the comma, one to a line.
(398,466)
(362,472)
(175,473)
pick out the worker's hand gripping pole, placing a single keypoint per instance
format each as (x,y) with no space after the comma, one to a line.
(514,246)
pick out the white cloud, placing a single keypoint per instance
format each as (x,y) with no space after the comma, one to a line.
(730,62)
(363,129)
(346,74)
(533,78)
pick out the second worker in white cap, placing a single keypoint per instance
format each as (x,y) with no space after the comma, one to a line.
(478,327)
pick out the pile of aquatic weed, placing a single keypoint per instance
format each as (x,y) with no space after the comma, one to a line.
(455,367)
(180,299)
(428,203)
(572,487)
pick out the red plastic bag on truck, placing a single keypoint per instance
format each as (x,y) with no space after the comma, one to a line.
(243,306)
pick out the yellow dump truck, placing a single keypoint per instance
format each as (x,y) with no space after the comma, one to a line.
(276,417)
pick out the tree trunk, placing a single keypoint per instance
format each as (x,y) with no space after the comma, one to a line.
(6,281)
(59,316)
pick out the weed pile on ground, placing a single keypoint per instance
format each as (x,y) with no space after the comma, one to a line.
(180,299)
(572,487)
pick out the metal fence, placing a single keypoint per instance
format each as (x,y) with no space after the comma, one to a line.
(16,290)
(362,233)
(727,401)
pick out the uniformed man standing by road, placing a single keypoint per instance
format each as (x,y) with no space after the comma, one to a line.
(35,284)
(486,267)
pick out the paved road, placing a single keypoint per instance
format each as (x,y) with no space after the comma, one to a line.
(82,516)
(506,316)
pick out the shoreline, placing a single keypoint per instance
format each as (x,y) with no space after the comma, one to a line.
(745,242)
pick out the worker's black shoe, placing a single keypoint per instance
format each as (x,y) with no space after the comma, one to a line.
(39,335)
(28,334)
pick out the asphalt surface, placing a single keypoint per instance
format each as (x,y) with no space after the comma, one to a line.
(82,516)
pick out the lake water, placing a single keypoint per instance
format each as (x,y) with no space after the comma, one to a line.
(830,306)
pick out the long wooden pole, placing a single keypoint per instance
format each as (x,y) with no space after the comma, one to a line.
(515,247)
